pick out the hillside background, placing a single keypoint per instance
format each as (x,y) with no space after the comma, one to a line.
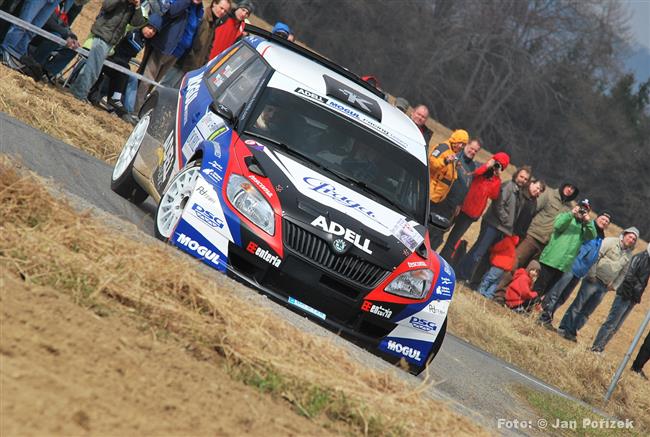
(541,80)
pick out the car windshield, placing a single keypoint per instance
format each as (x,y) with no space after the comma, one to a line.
(369,163)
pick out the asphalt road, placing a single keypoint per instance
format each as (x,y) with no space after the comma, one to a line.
(474,382)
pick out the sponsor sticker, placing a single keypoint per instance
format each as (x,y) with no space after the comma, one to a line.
(192,143)
(311,95)
(206,216)
(209,124)
(422,324)
(203,191)
(336,229)
(405,351)
(167,161)
(195,247)
(191,92)
(260,185)
(438,307)
(446,267)
(445,280)
(254,144)
(307,308)
(406,233)
(379,310)
(413,264)
(443,290)
(215,165)
(267,256)
(213,175)
(329,190)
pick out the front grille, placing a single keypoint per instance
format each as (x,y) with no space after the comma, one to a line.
(317,250)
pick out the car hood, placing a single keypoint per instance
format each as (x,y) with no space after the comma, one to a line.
(330,209)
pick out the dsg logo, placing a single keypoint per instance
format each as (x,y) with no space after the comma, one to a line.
(422,324)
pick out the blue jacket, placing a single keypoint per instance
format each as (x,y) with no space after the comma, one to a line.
(587,256)
(174,22)
(193,21)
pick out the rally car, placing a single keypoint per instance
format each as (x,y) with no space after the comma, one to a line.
(277,166)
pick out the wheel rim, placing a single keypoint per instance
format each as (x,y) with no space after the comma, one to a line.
(174,200)
(131,147)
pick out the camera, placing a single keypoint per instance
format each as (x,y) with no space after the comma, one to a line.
(582,211)
(584,207)
(497,165)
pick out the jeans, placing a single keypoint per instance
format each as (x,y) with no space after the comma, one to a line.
(617,314)
(557,295)
(547,279)
(461,225)
(589,297)
(91,69)
(489,283)
(487,237)
(130,94)
(35,12)
(173,77)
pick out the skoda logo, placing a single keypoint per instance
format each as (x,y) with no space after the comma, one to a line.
(339,245)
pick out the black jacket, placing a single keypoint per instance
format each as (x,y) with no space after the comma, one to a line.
(636,278)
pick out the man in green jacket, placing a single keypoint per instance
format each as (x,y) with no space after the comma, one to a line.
(570,230)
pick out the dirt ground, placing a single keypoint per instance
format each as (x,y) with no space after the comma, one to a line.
(65,370)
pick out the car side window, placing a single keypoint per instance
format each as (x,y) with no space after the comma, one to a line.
(220,78)
(242,88)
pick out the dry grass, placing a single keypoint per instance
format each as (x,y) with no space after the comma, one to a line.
(572,368)
(47,242)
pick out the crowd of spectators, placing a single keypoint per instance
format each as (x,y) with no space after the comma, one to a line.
(535,245)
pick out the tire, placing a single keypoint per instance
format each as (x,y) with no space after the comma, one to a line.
(174,199)
(416,370)
(122,181)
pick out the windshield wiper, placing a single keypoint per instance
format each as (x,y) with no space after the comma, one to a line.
(292,152)
(370,190)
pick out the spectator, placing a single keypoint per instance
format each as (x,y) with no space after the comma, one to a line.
(11,7)
(498,221)
(284,31)
(628,294)
(486,183)
(502,259)
(52,57)
(570,230)
(443,172)
(520,296)
(587,256)
(642,357)
(402,104)
(199,54)
(15,43)
(232,28)
(128,47)
(549,205)
(528,200)
(420,115)
(107,31)
(179,25)
(606,274)
(465,167)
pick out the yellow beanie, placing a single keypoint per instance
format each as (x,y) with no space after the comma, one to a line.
(459,136)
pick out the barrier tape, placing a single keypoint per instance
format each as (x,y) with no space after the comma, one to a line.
(81,51)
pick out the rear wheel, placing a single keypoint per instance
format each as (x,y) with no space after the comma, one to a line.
(122,181)
(174,199)
(416,370)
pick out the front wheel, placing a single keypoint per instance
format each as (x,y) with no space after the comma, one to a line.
(122,181)
(174,199)
(416,370)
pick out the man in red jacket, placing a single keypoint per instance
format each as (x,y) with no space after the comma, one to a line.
(232,28)
(485,185)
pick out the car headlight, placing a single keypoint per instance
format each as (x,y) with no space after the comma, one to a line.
(414,284)
(250,202)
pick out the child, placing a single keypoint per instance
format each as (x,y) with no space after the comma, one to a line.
(520,296)
(502,258)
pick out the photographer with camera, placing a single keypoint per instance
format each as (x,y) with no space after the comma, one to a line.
(486,183)
(570,230)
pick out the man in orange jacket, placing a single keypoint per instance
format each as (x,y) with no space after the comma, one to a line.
(443,172)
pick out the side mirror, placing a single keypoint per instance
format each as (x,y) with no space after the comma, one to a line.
(439,221)
(223,111)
